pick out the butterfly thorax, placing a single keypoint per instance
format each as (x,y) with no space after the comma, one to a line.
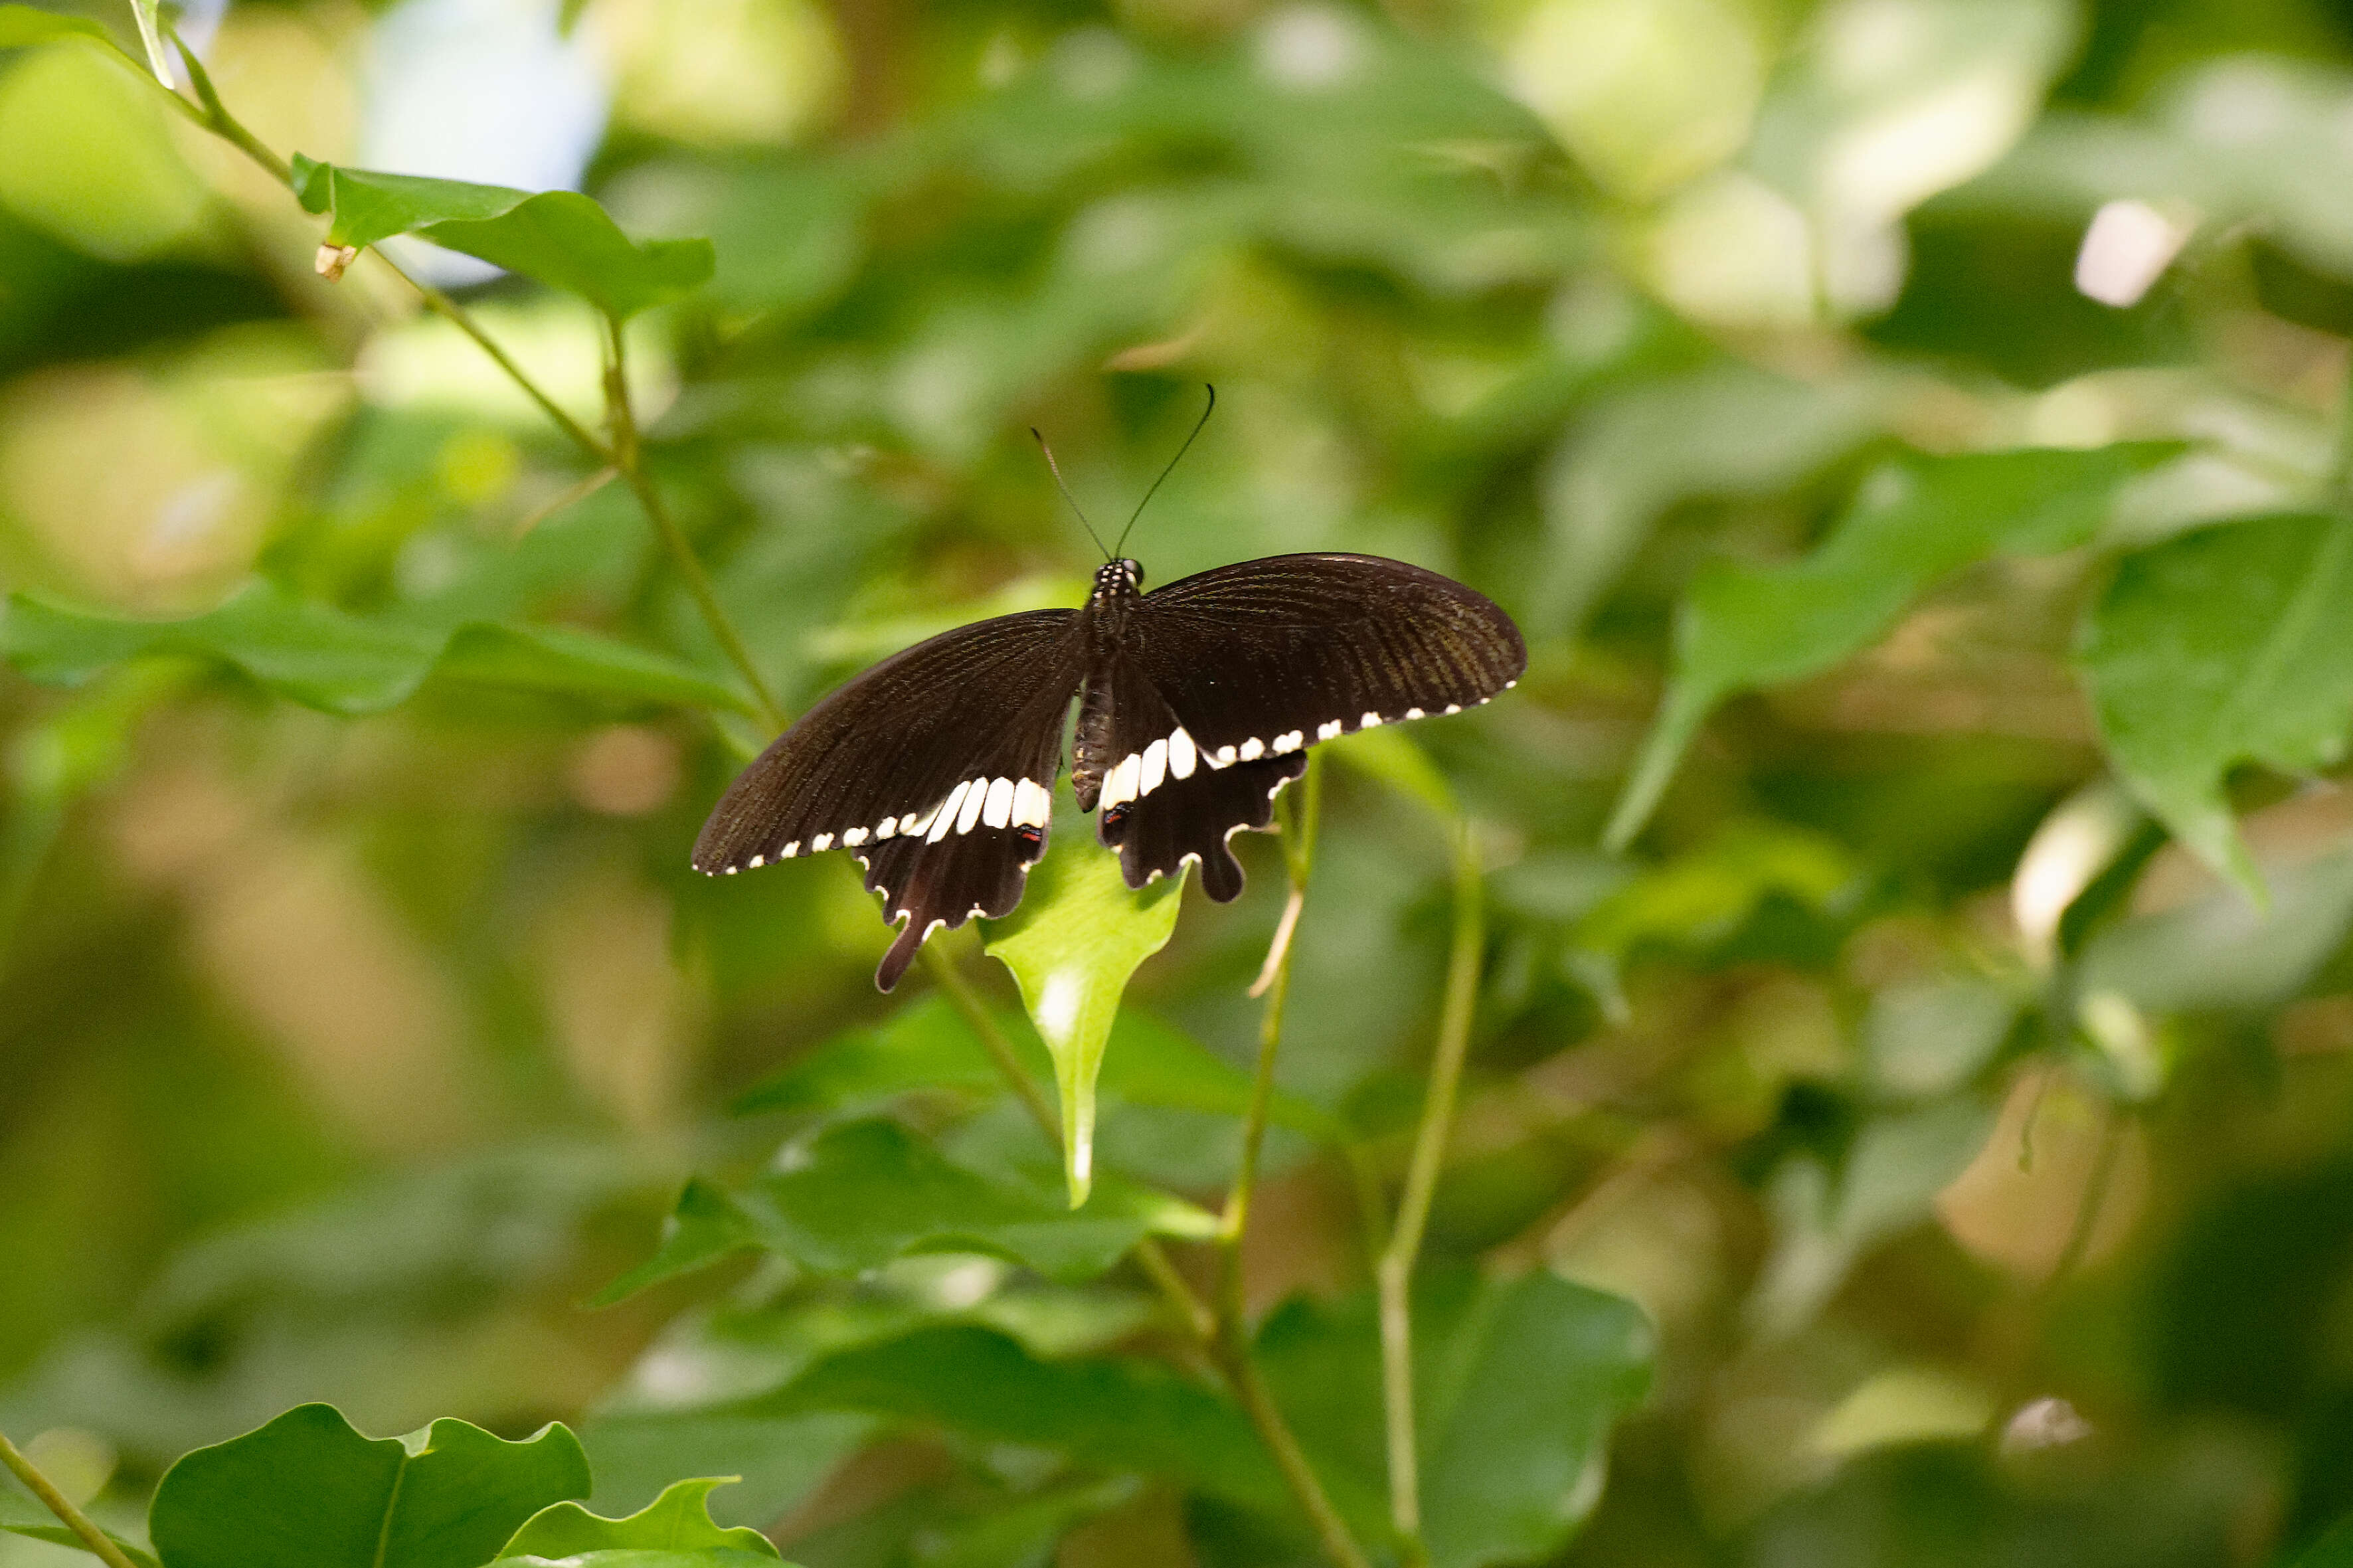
(1104,627)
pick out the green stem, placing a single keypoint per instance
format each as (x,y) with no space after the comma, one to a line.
(628,455)
(2340,467)
(1395,1273)
(58,1503)
(1230,1344)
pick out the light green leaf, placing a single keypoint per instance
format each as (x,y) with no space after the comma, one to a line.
(1516,1385)
(679,1521)
(324,658)
(2221,953)
(1077,937)
(308,1491)
(561,237)
(1913,521)
(864,1193)
(23,26)
(2224,646)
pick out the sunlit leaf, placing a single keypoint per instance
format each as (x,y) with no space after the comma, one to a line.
(561,237)
(1393,758)
(1517,1386)
(21,26)
(1078,936)
(864,1193)
(2224,646)
(1915,520)
(678,1520)
(324,658)
(308,1491)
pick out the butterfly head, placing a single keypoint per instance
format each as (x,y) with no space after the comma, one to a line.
(1119,579)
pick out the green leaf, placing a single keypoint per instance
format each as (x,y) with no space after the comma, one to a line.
(23,26)
(1516,1385)
(21,1515)
(2224,646)
(929,1045)
(1390,756)
(678,1520)
(1078,936)
(308,1491)
(864,1193)
(641,1557)
(2221,953)
(1112,1413)
(323,657)
(561,237)
(2333,1550)
(1913,521)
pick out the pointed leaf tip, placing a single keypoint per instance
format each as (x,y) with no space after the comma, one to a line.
(1077,937)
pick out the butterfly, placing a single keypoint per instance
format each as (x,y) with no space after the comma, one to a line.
(1197,703)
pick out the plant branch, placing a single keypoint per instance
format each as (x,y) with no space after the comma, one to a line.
(151,34)
(628,455)
(2340,466)
(58,1503)
(1229,1344)
(625,454)
(1395,1273)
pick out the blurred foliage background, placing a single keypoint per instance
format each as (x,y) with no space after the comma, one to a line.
(1978,1153)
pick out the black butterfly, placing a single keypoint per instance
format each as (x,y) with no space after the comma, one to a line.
(1197,702)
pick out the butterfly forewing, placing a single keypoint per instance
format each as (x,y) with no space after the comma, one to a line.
(935,768)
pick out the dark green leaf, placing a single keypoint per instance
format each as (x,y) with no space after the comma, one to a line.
(867,1192)
(308,1491)
(1080,934)
(1913,522)
(2225,645)
(324,658)
(678,1520)
(561,237)
(1516,1385)
(928,1044)
(653,1557)
(1110,1412)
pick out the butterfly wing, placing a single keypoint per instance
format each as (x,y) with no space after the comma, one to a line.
(936,768)
(1231,674)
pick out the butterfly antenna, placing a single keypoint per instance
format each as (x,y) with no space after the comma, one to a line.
(1055,469)
(1171,468)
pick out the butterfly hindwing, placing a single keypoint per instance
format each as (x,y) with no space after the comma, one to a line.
(1228,676)
(936,768)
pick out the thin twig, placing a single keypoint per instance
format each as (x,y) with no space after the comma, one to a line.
(1231,1343)
(1395,1273)
(150,36)
(961,997)
(628,455)
(625,454)
(58,1503)
(573,496)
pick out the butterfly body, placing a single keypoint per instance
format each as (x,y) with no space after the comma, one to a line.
(1197,703)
